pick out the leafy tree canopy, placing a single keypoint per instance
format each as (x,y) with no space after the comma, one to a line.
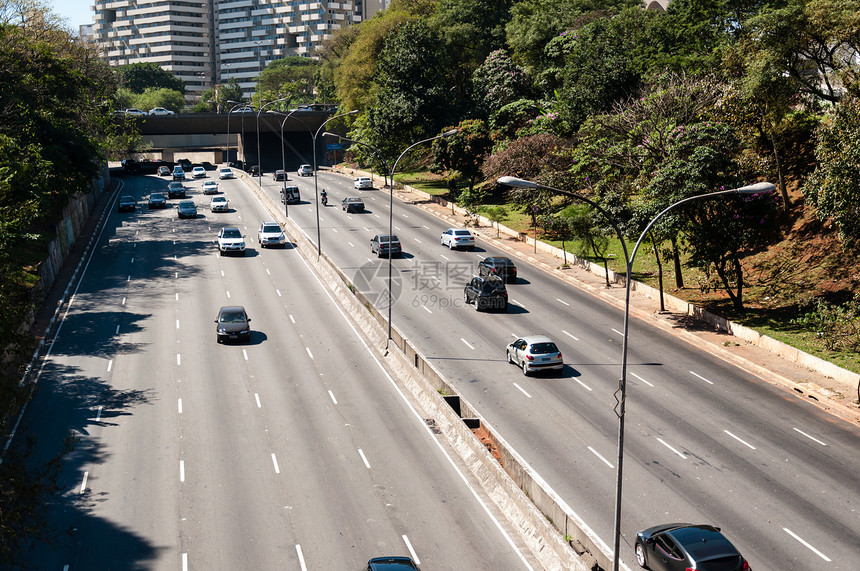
(138,77)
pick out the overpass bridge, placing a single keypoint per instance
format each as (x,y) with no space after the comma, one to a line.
(224,137)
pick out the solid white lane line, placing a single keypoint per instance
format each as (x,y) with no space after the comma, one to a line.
(245,354)
(278,292)
(664,443)
(291,319)
(257,398)
(275,462)
(178,359)
(581,383)
(739,440)
(110,364)
(467,344)
(641,379)
(99,413)
(84,483)
(807,545)
(184,562)
(444,256)
(308,349)
(331,394)
(522,390)
(701,377)
(604,460)
(182,470)
(123,301)
(562,301)
(810,437)
(364,458)
(301,558)
(179,405)
(411,551)
(575,338)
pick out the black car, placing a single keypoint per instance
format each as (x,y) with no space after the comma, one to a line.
(126,204)
(233,324)
(681,546)
(392,564)
(486,293)
(156,200)
(175,190)
(185,164)
(256,171)
(237,165)
(207,165)
(385,245)
(352,204)
(502,267)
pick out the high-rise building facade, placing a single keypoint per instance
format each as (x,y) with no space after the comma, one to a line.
(208,42)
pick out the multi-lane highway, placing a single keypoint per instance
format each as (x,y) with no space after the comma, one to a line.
(706,442)
(294,451)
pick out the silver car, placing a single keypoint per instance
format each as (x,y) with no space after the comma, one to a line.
(535,353)
(270,234)
(186,209)
(457,238)
(225,173)
(219,204)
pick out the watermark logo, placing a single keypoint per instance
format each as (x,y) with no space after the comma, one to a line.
(371,279)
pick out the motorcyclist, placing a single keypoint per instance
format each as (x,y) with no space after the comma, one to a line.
(324,197)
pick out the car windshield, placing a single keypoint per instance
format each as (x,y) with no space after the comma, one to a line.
(188,204)
(232,317)
(271,228)
(156,195)
(219,199)
(174,185)
(543,348)
(231,233)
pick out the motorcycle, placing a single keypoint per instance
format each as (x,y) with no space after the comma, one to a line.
(324,199)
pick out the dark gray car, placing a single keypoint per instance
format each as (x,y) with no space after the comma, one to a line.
(385,245)
(233,324)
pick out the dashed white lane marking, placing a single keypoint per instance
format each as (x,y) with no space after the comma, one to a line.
(574,337)
(301,558)
(425,226)
(117,330)
(123,301)
(807,545)
(184,562)
(275,462)
(406,216)
(291,319)
(581,383)
(177,296)
(467,344)
(444,256)
(518,303)
(228,294)
(110,364)
(308,349)
(177,324)
(132,260)
(664,443)
(222,273)
(182,470)
(641,379)
(84,483)
(562,301)
(619,332)
(604,460)
(363,458)
(179,405)
(522,390)
(350,243)
(425,309)
(176,275)
(701,377)
(257,398)
(128,278)
(417,240)
(178,359)
(745,443)
(278,292)
(411,551)
(377,215)
(334,230)
(268,272)
(99,413)
(331,394)
(810,437)
(245,354)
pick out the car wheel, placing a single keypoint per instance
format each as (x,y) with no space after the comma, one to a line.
(479,304)
(450,246)
(640,556)
(510,358)
(217,339)
(525,369)
(220,252)
(441,242)
(466,298)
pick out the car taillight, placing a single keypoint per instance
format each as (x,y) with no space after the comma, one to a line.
(559,355)
(530,358)
(746,566)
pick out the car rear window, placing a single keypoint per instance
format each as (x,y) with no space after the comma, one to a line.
(544,348)
(462,233)
(493,286)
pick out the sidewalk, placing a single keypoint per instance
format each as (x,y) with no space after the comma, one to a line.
(836,397)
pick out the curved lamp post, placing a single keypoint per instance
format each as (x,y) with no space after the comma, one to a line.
(259,157)
(758,188)
(391,201)
(229,113)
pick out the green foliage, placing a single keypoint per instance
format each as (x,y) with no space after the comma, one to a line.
(495,213)
(138,77)
(498,82)
(514,116)
(834,188)
(291,77)
(160,97)
(464,151)
(837,327)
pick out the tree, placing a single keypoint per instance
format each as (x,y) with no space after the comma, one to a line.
(464,151)
(160,97)
(834,187)
(498,82)
(497,214)
(291,77)
(138,77)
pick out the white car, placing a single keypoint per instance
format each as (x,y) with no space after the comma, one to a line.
(305,170)
(210,187)
(230,241)
(362,183)
(225,172)
(160,111)
(457,238)
(270,234)
(219,204)
(198,172)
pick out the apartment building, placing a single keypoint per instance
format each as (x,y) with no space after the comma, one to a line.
(208,42)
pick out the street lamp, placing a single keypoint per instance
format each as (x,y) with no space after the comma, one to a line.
(283,156)
(259,157)
(758,188)
(229,113)
(391,201)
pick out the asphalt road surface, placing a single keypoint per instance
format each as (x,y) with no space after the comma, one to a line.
(294,451)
